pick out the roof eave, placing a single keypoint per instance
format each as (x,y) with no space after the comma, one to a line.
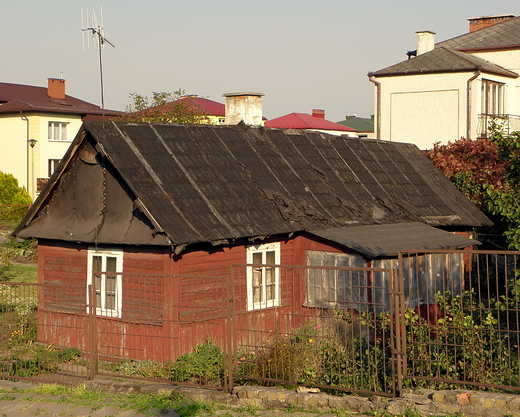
(444,71)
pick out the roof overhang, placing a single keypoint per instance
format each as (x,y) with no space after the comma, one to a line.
(377,241)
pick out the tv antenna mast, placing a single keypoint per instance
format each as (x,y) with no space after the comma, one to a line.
(95,26)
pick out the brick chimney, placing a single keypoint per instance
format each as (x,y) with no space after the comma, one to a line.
(319,114)
(56,88)
(244,107)
(476,23)
(425,41)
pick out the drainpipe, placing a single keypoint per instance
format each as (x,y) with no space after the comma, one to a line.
(468,115)
(372,79)
(27,146)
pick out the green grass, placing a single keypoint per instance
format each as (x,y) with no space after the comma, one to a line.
(18,273)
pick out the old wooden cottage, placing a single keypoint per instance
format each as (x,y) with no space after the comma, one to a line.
(150,220)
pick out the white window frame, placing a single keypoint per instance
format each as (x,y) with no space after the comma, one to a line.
(53,164)
(263,249)
(62,131)
(101,310)
(492,98)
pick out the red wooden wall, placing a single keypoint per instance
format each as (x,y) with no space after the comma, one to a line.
(170,303)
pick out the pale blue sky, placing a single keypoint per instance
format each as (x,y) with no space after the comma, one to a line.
(301,54)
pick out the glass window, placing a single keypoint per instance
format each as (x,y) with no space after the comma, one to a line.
(263,278)
(492,98)
(104,272)
(58,131)
(331,287)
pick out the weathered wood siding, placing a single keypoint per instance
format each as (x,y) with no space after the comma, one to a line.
(169,303)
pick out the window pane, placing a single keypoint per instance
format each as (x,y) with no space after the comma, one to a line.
(110,302)
(257,285)
(257,258)
(269,292)
(63,132)
(96,263)
(111,264)
(110,284)
(50,130)
(270,258)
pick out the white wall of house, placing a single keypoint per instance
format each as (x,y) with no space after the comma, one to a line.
(428,108)
(423,109)
(27,163)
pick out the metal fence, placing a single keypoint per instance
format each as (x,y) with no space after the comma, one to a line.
(426,319)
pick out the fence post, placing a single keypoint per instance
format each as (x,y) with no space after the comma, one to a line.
(230,329)
(92,332)
(397,323)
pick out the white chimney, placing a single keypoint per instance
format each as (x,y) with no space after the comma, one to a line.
(425,41)
(244,107)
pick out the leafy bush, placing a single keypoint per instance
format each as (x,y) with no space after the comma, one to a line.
(204,365)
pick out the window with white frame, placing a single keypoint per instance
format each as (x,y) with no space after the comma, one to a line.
(263,278)
(53,163)
(492,96)
(58,131)
(104,273)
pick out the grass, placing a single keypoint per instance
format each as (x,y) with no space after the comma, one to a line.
(19,273)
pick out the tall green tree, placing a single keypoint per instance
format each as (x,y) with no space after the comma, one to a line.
(14,200)
(488,173)
(164,107)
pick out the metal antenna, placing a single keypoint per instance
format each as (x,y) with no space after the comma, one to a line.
(98,33)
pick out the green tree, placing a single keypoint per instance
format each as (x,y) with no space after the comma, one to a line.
(14,200)
(164,107)
(488,173)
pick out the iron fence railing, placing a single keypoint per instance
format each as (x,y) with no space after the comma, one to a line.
(509,123)
(434,319)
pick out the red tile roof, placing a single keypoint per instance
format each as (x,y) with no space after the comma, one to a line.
(17,97)
(208,107)
(305,121)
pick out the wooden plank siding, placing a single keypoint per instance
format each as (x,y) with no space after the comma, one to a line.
(170,303)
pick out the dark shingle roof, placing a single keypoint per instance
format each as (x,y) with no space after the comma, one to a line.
(501,35)
(17,97)
(206,183)
(442,60)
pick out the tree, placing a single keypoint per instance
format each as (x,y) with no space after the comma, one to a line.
(164,107)
(14,200)
(488,173)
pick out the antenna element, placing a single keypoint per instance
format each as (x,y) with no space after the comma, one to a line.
(96,27)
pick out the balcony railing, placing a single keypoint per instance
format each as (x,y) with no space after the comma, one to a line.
(508,122)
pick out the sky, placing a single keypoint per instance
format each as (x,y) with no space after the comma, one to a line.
(301,54)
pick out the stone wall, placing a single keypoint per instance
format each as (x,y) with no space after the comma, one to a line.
(426,402)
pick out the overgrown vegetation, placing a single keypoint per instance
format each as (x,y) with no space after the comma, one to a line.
(488,173)
(354,351)
(204,366)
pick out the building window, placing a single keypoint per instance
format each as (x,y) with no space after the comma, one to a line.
(492,98)
(53,163)
(58,131)
(263,278)
(104,273)
(330,287)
